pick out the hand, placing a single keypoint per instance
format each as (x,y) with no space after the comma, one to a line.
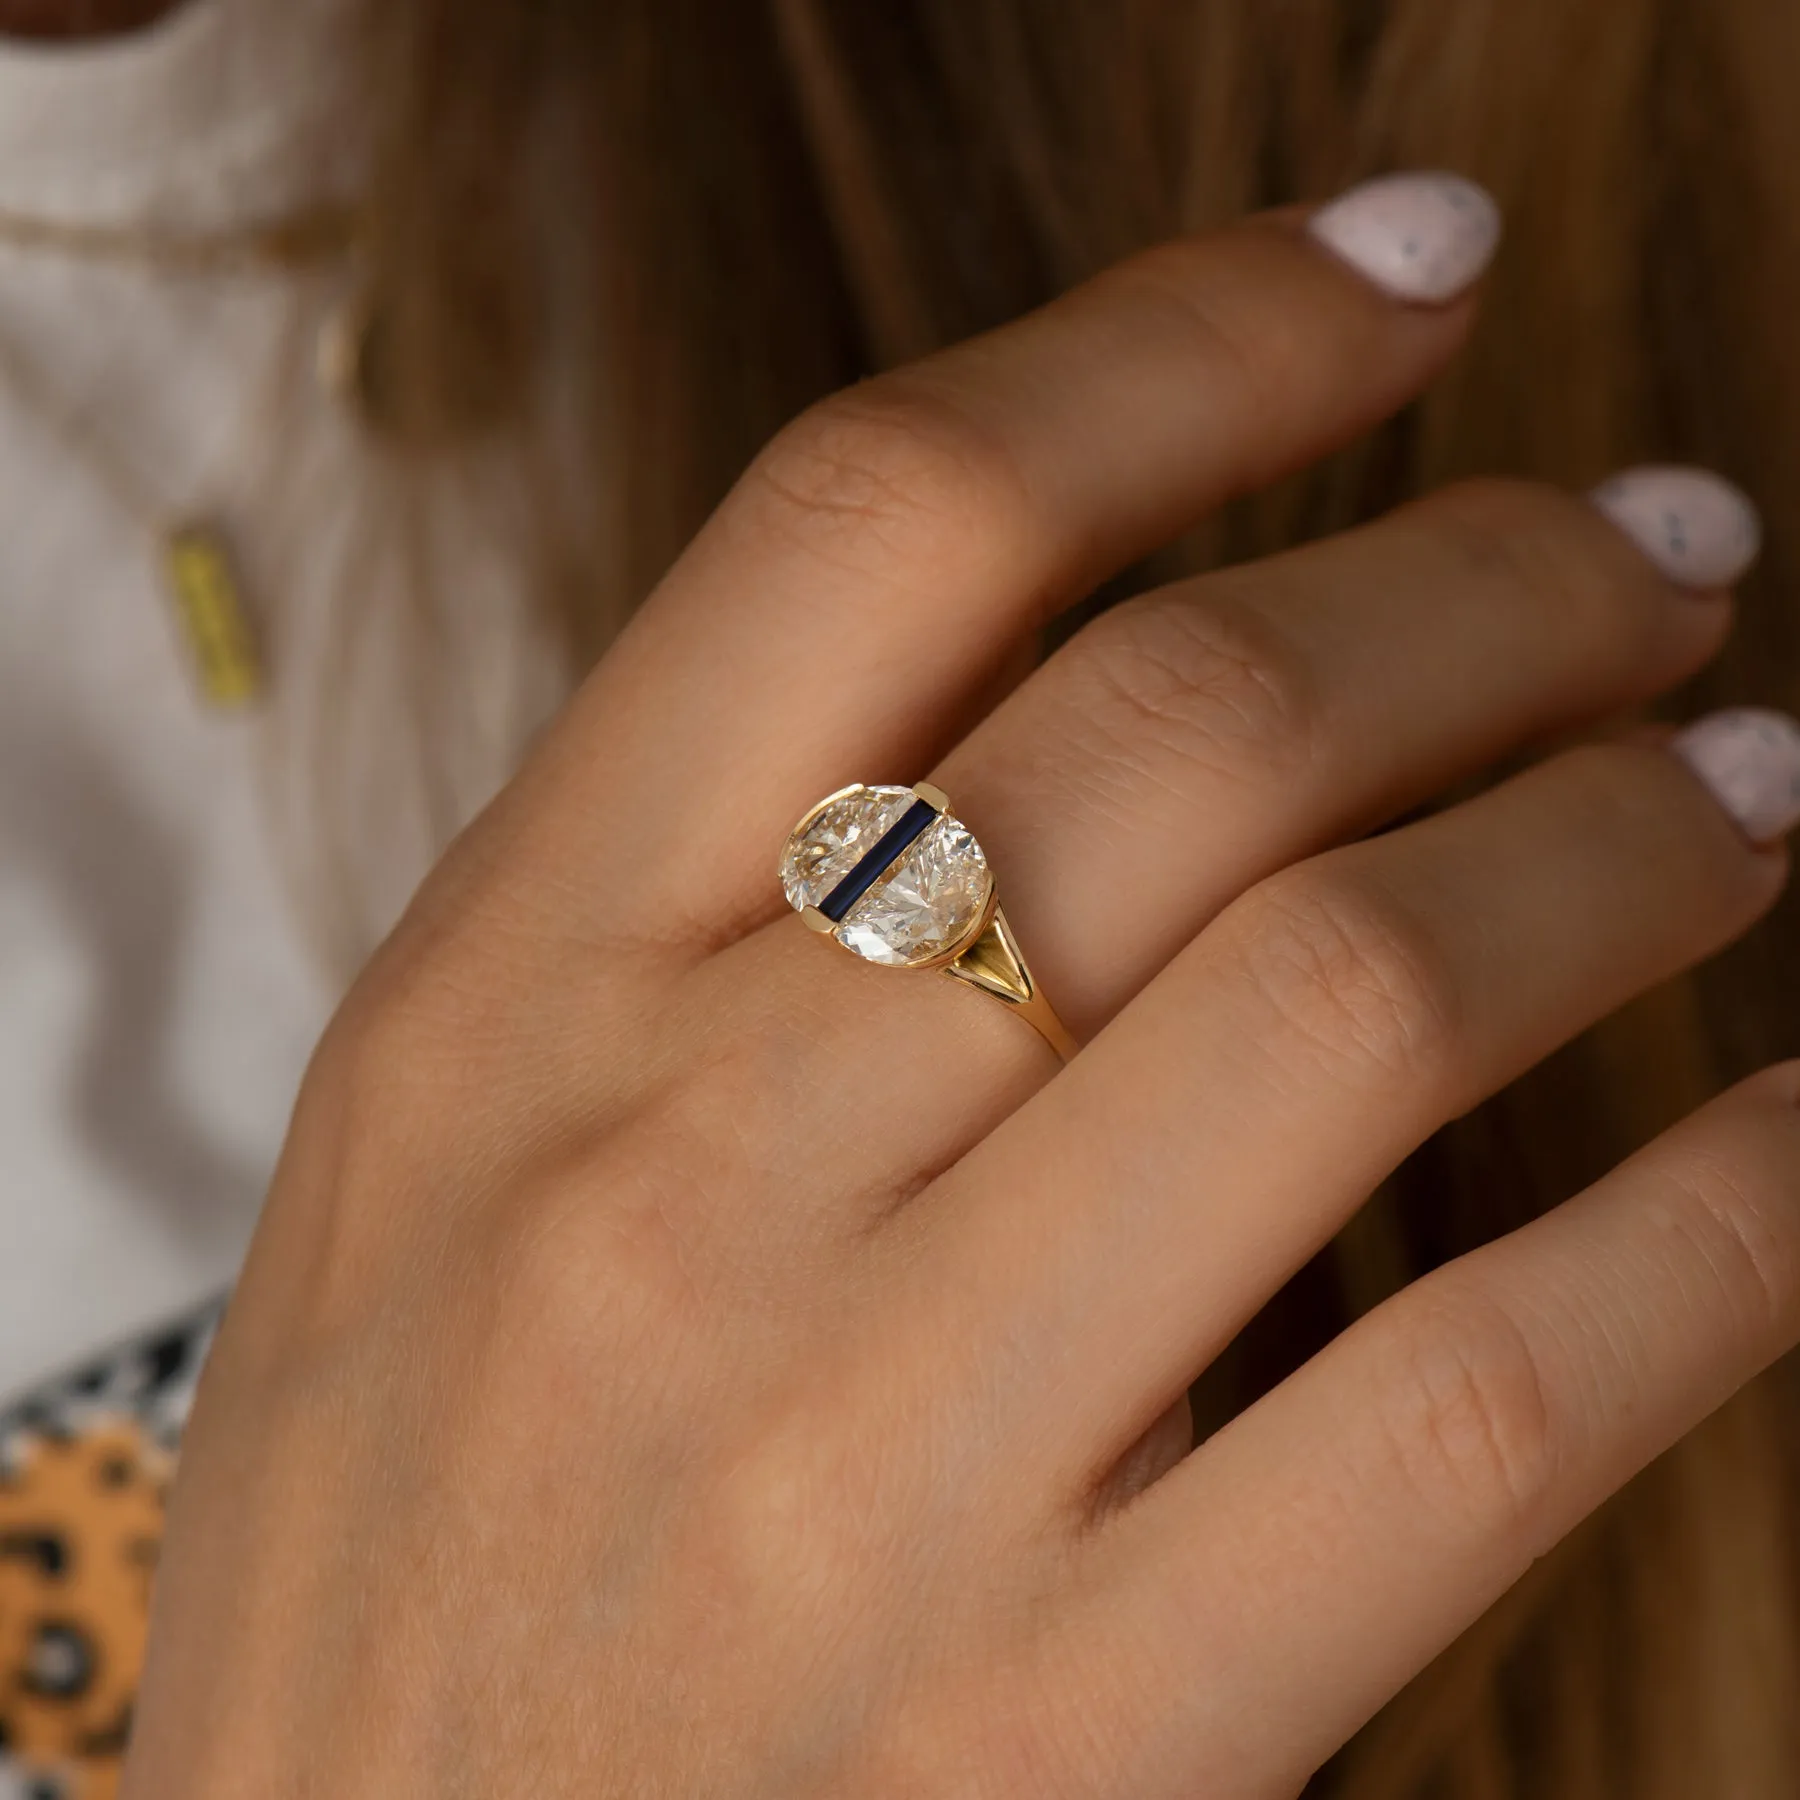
(679,1359)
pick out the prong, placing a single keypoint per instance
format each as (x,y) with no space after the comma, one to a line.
(934,797)
(816,920)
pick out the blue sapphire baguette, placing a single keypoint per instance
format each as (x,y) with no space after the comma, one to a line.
(909,826)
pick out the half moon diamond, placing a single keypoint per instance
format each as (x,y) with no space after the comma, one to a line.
(835,838)
(919,907)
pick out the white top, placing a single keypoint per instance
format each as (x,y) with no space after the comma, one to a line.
(158,996)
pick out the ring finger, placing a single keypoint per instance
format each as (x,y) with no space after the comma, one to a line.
(1189,744)
(1117,1231)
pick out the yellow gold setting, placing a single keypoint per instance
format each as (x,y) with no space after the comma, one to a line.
(892,875)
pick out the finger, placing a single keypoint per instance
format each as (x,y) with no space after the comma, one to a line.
(1187,744)
(1117,1230)
(1183,748)
(1268,1596)
(879,559)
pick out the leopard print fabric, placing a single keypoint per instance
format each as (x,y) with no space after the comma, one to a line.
(85,1464)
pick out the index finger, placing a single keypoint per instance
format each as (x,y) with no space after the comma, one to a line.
(883,555)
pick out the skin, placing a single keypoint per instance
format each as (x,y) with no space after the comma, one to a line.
(679,1359)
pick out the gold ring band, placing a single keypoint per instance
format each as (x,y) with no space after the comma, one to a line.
(892,875)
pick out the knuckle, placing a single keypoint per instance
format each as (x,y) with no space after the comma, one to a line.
(1728,1205)
(572,1279)
(628,1227)
(1217,684)
(794,1521)
(1466,1411)
(360,1140)
(1350,971)
(1249,370)
(378,1034)
(892,467)
(1535,540)
(402,1059)
(366,1079)
(572,1261)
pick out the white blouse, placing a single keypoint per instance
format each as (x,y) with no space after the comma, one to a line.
(158,989)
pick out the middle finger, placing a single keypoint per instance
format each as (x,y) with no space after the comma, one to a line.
(1194,741)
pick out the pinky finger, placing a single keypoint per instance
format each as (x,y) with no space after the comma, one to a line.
(1261,1601)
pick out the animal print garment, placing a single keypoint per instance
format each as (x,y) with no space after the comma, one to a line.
(84,1469)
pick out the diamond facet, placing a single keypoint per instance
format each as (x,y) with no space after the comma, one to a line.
(921,907)
(834,842)
(934,894)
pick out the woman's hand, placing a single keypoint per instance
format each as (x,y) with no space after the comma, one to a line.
(679,1359)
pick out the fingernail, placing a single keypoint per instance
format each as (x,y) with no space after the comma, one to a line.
(1695,526)
(1750,757)
(1421,237)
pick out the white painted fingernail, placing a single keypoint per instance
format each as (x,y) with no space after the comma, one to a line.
(1421,237)
(1750,757)
(1695,526)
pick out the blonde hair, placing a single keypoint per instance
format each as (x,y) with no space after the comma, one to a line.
(714,214)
